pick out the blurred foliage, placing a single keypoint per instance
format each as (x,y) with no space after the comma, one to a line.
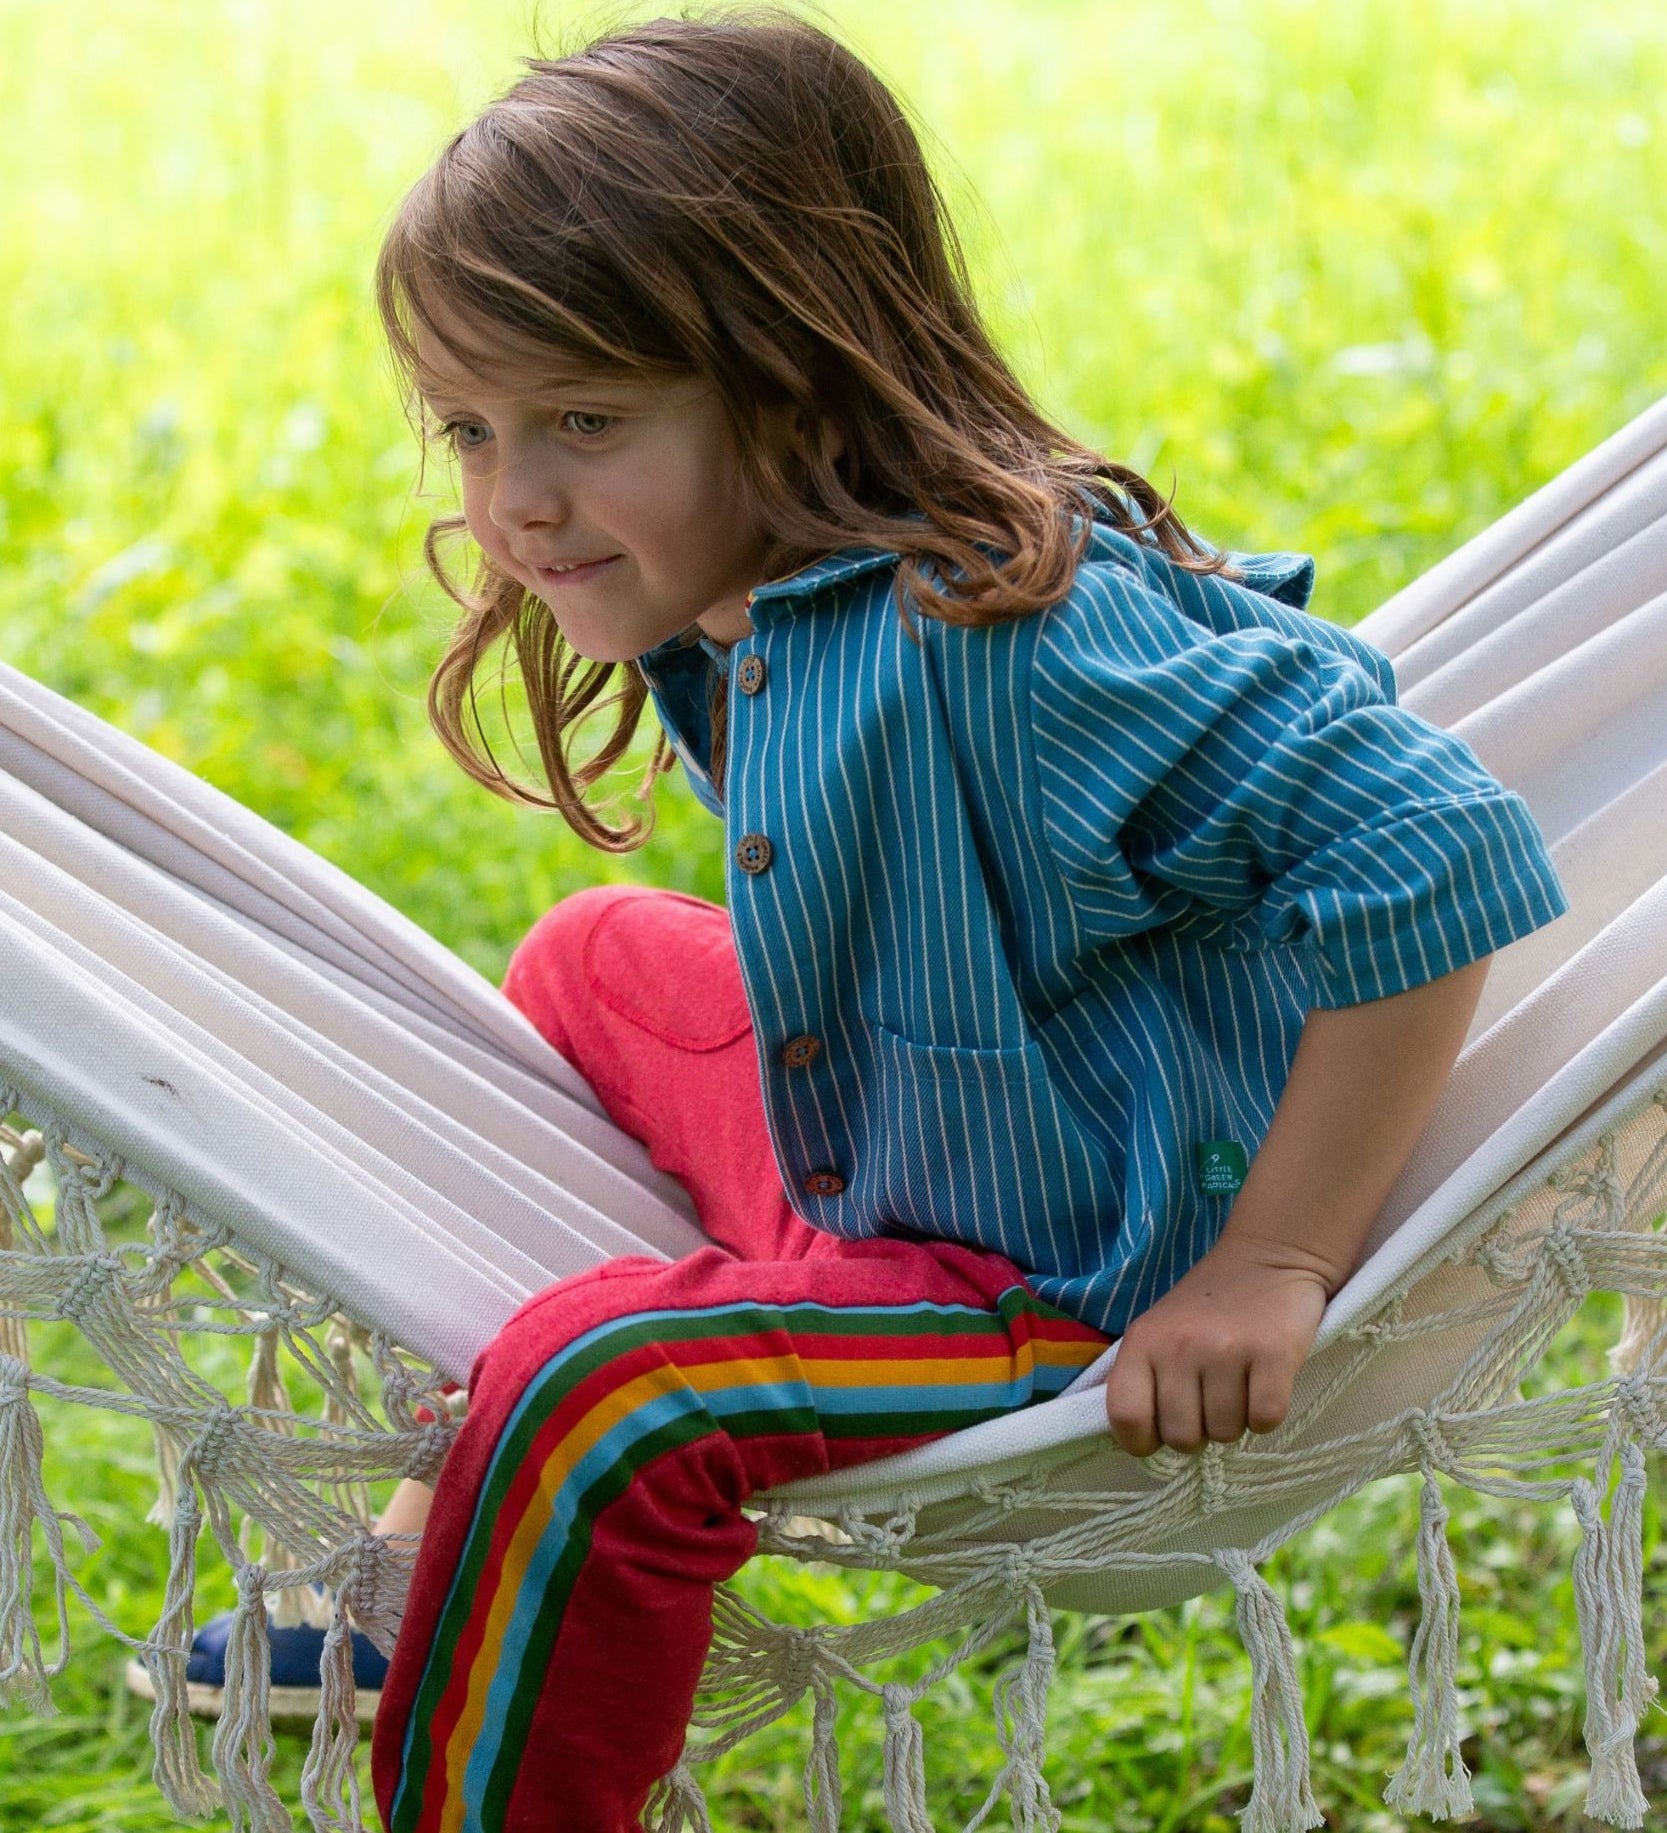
(1352,280)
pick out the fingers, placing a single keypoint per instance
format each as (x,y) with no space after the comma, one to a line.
(1132,1403)
(1271,1385)
(1183,1407)
(1226,1402)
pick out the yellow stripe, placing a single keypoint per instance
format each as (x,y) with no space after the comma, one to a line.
(663,1378)
(703,1377)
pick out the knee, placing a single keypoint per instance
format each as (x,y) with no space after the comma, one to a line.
(547,974)
(656,961)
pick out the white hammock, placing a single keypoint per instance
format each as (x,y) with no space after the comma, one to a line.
(356,1149)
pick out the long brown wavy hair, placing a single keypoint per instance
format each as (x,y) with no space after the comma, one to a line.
(738,197)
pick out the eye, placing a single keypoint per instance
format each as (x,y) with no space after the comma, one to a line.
(453,428)
(600,422)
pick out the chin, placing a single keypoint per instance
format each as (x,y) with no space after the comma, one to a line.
(597,649)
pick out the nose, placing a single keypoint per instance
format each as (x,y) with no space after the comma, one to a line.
(525,493)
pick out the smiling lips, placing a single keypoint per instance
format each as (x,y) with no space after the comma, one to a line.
(574,570)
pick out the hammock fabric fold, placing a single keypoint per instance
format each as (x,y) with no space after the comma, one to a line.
(354,1150)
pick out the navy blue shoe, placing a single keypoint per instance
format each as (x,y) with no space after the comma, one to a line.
(296,1653)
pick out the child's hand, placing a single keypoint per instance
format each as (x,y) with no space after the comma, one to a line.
(1218,1352)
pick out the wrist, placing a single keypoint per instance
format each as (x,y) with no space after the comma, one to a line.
(1246,1243)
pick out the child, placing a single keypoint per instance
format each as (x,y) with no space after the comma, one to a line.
(1100,933)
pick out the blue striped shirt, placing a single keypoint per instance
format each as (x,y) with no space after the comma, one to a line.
(1030,916)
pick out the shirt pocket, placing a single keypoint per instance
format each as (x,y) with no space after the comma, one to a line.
(954,1131)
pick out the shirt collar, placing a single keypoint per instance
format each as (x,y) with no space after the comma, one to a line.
(829,570)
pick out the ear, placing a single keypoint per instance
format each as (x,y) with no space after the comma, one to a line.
(831,432)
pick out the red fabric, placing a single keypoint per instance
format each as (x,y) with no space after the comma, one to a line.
(641,991)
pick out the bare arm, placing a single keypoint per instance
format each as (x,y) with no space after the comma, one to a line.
(1221,1349)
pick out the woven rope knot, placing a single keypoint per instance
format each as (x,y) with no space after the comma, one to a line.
(251,1583)
(1018,1567)
(89,1287)
(371,1585)
(896,1701)
(1235,1562)
(215,1443)
(14,1380)
(1566,1256)
(78,1174)
(1212,1479)
(1435,1449)
(800,1654)
(1638,1401)
(878,1537)
(433,1441)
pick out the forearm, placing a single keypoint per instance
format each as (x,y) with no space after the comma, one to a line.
(1363,1084)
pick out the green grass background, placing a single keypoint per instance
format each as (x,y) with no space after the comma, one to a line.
(1355,279)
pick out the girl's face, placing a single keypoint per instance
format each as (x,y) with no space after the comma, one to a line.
(635,485)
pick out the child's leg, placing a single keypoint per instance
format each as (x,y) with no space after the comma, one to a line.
(561,1605)
(641,991)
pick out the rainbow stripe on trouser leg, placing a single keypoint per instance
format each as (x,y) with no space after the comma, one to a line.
(561,1607)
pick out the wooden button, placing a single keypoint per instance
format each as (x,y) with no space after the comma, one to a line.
(749,676)
(824,1183)
(799,1052)
(753,853)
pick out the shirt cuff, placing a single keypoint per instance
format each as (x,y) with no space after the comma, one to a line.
(1427,892)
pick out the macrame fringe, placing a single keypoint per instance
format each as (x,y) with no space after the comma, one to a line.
(243,1748)
(24,1672)
(1609,1602)
(268,1397)
(677,1805)
(329,1772)
(1281,1796)
(1434,1779)
(824,1794)
(1021,1698)
(177,1770)
(903,1772)
(20,1153)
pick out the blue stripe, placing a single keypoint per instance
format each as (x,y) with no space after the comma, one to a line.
(754,1317)
(641,1423)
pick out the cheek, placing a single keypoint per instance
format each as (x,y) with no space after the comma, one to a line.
(476,496)
(705,484)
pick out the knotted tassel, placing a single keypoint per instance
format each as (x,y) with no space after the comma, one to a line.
(177,1770)
(243,1748)
(1281,1798)
(824,1796)
(678,1805)
(1433,1779)
(903,1777)
(1609,1603)
(24,1673)
(1023,1696)
(329,1768)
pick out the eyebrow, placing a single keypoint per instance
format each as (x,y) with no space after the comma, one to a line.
(599,390)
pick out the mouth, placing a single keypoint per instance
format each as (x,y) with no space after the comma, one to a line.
(554,578)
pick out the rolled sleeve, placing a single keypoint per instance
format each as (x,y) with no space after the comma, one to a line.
(1265,777)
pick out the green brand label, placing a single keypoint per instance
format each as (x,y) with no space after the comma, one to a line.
(1221,1166)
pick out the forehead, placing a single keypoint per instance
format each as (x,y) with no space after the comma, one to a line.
(460,359)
